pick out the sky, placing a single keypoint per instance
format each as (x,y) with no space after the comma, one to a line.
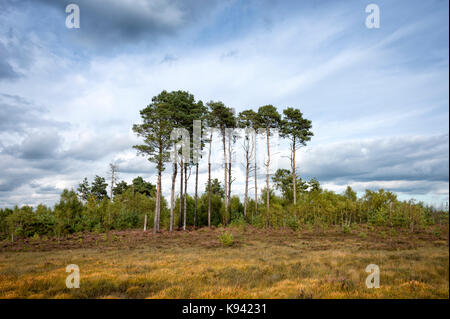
(378,98)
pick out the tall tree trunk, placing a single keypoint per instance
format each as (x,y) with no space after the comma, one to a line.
(157,204)
(113,178)
(267,169)
(180,208)
(184,200)
(195,196)
(159,200)
(225,173)
(229,174)
(294,177)
(172,195)
(112,183)
(247,166)
(209,181)
(256,178)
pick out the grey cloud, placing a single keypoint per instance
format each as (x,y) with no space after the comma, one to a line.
(19,115)
(421,189)
(40,189)
(40,151)
(109,22)
(137,165)
(36,146)
(388,159)
(97,147)
(33,156)
(15,172)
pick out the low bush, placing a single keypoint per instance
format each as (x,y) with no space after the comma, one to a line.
(226,239)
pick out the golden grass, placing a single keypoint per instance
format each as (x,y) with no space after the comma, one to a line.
(261,264)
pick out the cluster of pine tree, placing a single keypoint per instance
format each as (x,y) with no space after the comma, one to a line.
(141,204)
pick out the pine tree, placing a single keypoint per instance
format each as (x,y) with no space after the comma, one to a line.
(298,131)
(155,130)
(269,118)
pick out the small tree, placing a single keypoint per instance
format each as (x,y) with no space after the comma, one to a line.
(83,190)
(98,188)
(143,187)
(215,188)
(120,188)
(283,181)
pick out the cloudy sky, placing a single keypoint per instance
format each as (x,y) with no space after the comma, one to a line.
(378,98)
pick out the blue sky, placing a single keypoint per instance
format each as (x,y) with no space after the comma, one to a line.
(377,98)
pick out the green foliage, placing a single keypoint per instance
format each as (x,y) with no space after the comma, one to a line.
(314,208)
(314,185)
(217,210)
(36,237)
(155,129)
(226,239)
(68,213)
(268,117)
(346,229)
(247,118)
(239,222)
(216,188)
(221,116)
(84,191)
(296,128)
(350,194)
(98,188)
(139,185)
(283,182)
(236,208)
(120,188)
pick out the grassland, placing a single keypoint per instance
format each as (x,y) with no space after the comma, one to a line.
(282,263)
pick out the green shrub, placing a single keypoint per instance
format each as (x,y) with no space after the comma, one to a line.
(226,239)
(238,222)
(362,235)
(346,229)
